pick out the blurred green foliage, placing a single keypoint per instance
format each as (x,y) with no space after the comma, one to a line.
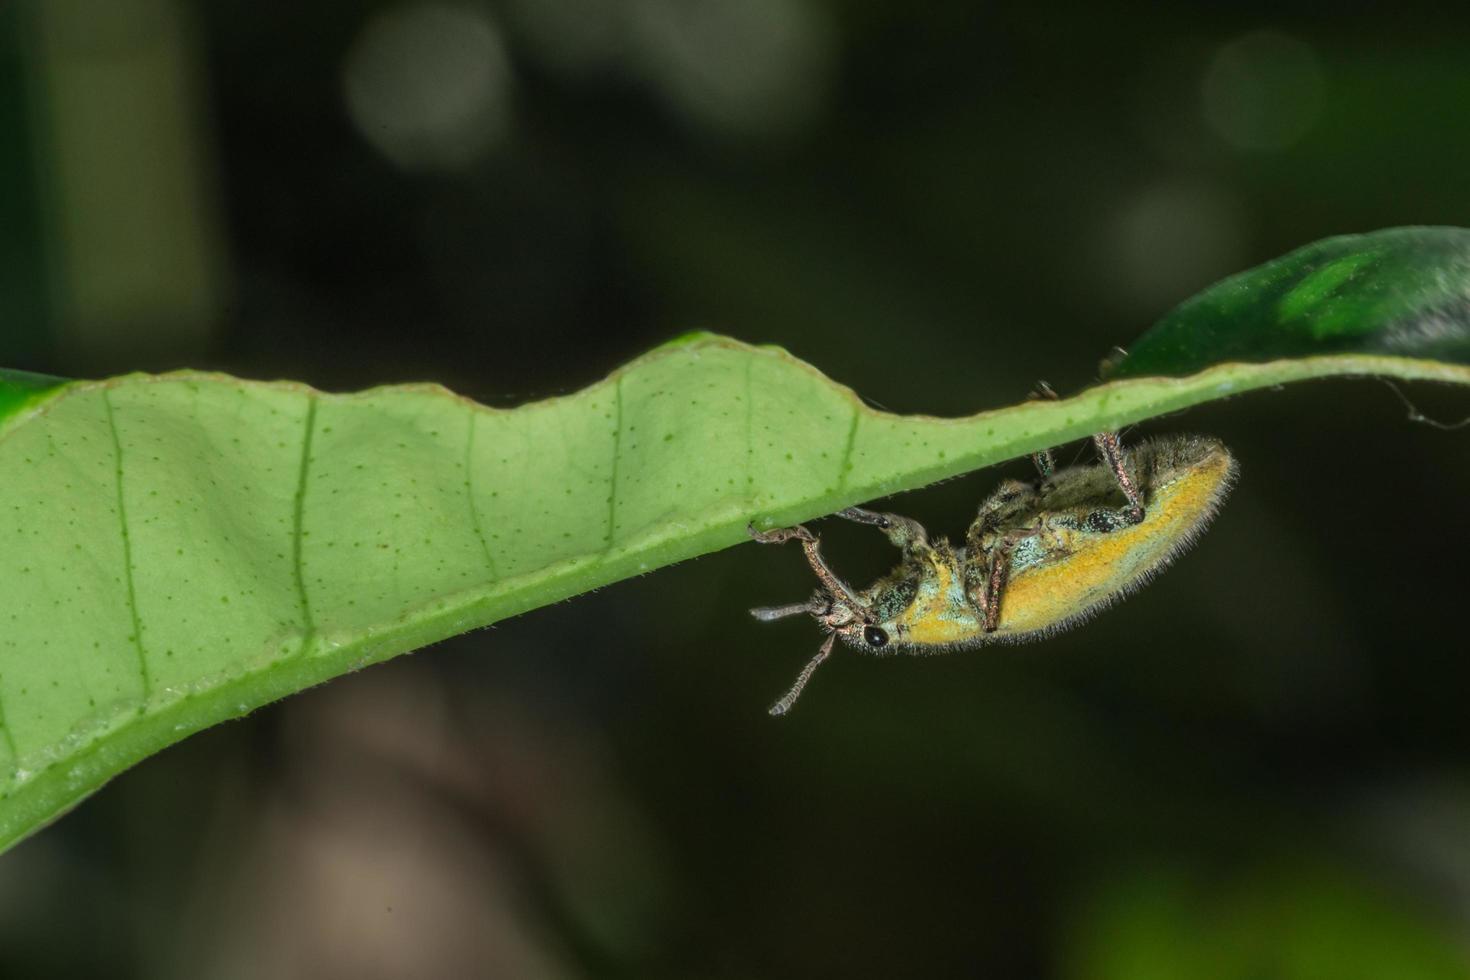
(1290,918)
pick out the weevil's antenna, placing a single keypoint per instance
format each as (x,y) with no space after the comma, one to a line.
(782,706)
(767,614)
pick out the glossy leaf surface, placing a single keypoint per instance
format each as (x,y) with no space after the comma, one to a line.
(1403,292)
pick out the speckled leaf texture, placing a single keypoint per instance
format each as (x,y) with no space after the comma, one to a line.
(181,549)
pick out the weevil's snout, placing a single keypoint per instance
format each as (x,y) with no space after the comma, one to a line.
(836,615)
(832,614)
(839,616)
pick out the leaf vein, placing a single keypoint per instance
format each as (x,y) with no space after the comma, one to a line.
(127,542)
(845,467)
(298,513)
(749,433)
(9,739)
(617,453)
(469,492)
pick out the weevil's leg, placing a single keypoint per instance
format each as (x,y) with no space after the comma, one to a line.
(1008,501)
(995,584)
(1045,463)
(784,705)
(767,614)
(988,593)
(1112,453)
(780,535)
(906,533)
(834,585)
(861,516)
(837,588)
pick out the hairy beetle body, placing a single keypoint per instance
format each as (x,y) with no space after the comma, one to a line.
(1038,558)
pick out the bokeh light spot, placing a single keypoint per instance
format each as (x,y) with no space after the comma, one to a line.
(428,85)
(1171,239)
(1263,91)
(757,66)
(573,36)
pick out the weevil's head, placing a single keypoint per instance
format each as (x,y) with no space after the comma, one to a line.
(852,620)
(845,616)
(856,623)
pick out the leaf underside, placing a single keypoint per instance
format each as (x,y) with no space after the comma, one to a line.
(181,549)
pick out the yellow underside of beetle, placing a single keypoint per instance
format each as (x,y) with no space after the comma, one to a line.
(1106,565)
(940,614)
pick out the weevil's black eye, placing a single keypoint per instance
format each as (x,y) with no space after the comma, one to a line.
(875,637)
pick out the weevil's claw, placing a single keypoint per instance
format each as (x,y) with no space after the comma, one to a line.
(865,517)
(780,535)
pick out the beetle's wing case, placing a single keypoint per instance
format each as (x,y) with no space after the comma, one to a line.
(1076,571)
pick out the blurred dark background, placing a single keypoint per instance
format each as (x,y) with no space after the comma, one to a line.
(1258,767)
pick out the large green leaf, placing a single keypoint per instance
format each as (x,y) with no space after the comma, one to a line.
(1404,292)
(181,549)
